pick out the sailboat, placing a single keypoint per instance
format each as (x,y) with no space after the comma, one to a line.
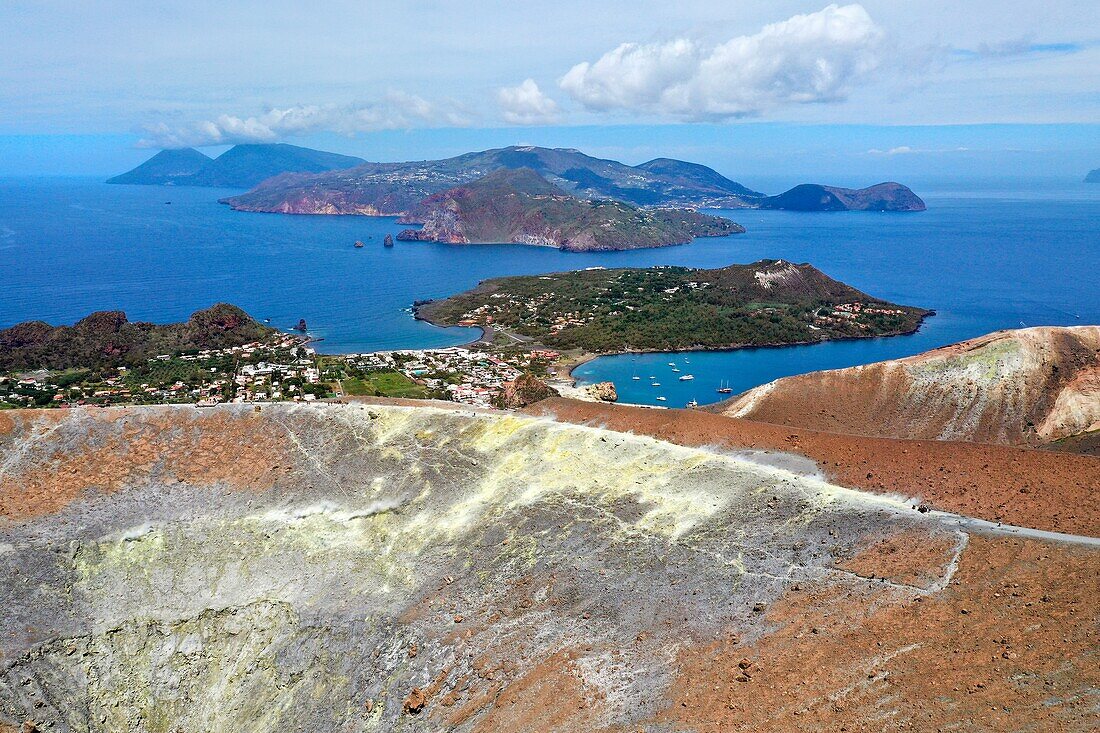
(724,389)
(693,403)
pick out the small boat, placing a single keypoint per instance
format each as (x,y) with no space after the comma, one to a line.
(686,377)
(652,377)
(675,369)
(693,403)
(672,363)
(655,384)
(635,377)
(358,244)
(660,399)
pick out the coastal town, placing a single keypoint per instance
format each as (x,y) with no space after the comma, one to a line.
(469,375)
(283,368)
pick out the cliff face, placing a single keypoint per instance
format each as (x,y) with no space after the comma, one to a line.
(379,568)
(520,206)
(1031,386)
(814,197)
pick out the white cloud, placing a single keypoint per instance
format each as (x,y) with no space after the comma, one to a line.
(899,150)
(817,57)
(907,150)
(397,111)
(525,104)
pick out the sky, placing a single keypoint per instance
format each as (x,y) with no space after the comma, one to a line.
(969,86)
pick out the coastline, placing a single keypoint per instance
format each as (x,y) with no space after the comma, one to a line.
(587,357)
(567,383)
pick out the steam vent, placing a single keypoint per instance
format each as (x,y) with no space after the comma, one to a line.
(386,568)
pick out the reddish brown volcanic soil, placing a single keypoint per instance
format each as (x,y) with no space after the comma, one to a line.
(1026,387)
(1031,488)
(989,653)
(438,570)
(183,446)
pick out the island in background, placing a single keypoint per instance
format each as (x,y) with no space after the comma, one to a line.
(294,180)
(815,197)
(242,166)
(381,189)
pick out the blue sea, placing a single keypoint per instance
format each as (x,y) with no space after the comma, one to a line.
(985,256)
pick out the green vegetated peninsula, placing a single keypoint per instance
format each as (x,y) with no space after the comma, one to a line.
(520,206)
(770,302)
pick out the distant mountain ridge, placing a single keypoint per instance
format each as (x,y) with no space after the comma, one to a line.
(815,197)
(242,166)
(520,206)
(394,189)
(287,179)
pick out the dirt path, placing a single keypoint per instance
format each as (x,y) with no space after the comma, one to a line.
(1029,488)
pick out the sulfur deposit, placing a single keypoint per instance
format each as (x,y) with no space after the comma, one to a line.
(377,568)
